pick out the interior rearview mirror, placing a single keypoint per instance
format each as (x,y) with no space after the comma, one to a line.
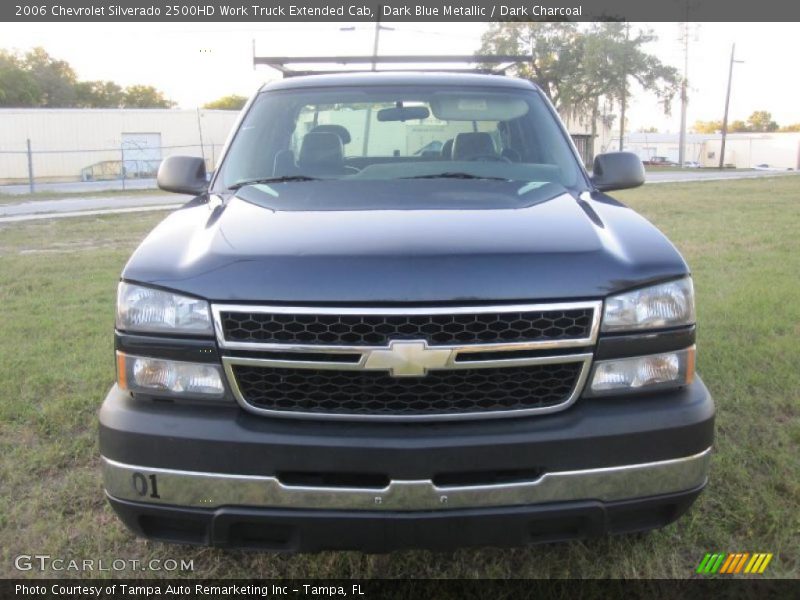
(404,113)
(617,171)
(183,175)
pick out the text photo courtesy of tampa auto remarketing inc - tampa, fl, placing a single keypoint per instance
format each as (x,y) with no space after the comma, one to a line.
(399,299)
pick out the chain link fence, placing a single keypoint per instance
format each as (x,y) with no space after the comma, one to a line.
(132,165)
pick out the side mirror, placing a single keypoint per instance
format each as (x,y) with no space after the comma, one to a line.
(617,171)
(183,175)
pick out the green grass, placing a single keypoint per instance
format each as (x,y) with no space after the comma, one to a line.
(57,282)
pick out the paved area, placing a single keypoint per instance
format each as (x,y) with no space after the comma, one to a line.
(78,204)
(85,213)
(711,175)
(150,184)
(81,186)
(14,211)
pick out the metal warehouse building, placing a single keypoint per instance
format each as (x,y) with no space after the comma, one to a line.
(742,150)
(94,144)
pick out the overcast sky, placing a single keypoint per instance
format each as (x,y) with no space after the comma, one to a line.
(194,63)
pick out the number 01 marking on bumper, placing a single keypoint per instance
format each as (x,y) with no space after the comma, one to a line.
(145,486)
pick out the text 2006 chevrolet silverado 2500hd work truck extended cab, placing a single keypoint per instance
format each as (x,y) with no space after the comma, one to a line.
(402,314)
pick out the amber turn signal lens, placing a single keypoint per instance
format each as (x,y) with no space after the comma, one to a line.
(122,373)
(690,356)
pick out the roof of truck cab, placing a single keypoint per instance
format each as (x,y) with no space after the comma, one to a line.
(409,78)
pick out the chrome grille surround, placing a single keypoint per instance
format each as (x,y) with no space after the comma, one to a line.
(375,329)
(421,358)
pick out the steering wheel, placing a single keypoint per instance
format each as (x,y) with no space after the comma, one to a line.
(489,157)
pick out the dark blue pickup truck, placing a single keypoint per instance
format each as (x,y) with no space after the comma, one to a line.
(345,343)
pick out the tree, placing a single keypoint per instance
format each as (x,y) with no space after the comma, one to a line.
(36,79)
(761,120)
(145,96)
(557,51)
(232,102)
(17,87)
(98,94)
(794,127)
(620,57)
(739,126)
(577,67)
(707,126)
(54,79)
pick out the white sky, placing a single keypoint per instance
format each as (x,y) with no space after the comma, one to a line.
(194,63)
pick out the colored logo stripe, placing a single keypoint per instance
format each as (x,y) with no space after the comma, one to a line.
(711,563)
(731,564)
(704,564)
(758,563)
(734,563)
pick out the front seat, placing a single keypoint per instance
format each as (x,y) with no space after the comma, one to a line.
(447,150)
(339,130)
(467,146)
(321,154)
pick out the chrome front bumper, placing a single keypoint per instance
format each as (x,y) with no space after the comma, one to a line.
(214,490)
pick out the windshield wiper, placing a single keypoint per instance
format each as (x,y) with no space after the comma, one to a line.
(455,175)
(282,179)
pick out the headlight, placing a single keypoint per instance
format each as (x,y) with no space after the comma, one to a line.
(641,373)
(147,309)
(664,305)
(169,377)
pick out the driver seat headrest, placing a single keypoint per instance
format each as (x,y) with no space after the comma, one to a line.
(321,149)
(472,144)
(339,130)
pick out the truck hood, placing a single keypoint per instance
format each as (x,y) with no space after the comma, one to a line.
(453,241)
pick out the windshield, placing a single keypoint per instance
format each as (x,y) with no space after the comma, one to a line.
(390,133)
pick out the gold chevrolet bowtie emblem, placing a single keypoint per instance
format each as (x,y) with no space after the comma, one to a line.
(408,358)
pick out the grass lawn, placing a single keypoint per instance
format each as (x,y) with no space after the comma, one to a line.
(57,286)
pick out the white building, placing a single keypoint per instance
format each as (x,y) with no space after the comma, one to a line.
(746,150)
(75,144)
(742,150)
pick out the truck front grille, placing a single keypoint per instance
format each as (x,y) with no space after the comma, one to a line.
(379,329)
(378,393)
(423,363)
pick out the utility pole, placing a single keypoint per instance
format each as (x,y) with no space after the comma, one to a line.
(200,134)
(624,89)
(684,98)
(375,41)
(727,104)
(378,29)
